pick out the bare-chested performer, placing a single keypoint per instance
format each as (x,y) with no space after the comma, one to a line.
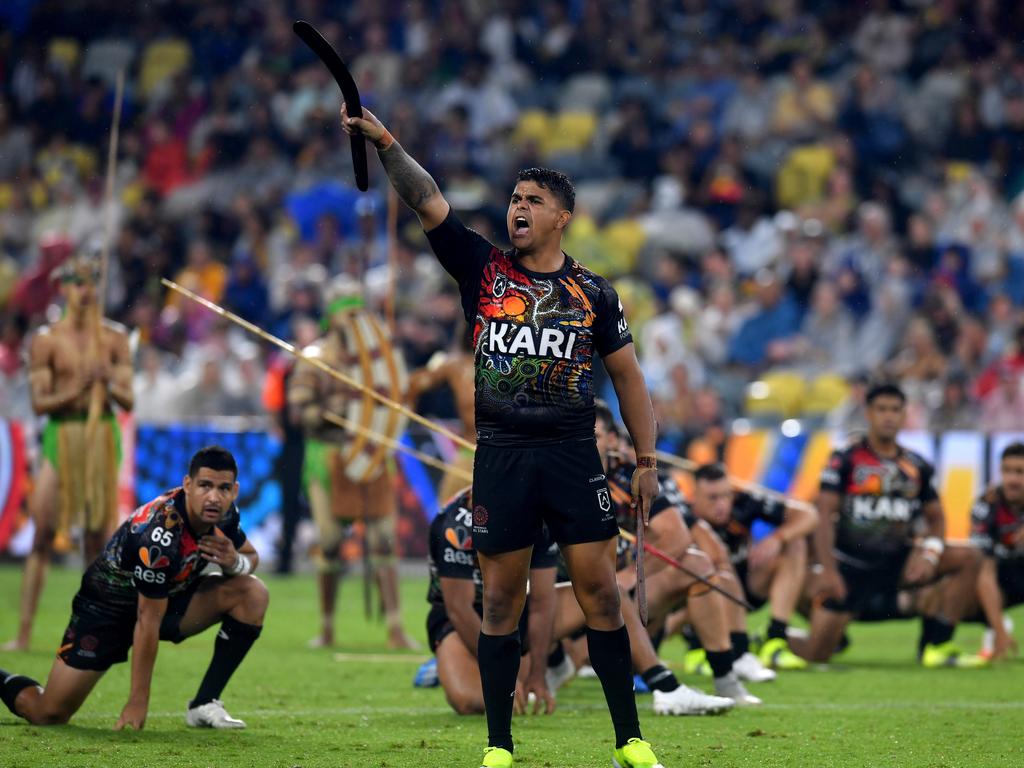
(347,477)
(454,369)
(76,483)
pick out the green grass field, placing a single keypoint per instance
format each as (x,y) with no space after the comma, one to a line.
(312,708)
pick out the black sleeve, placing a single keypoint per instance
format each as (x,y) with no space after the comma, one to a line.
(983,534)
(151,556)
(463,253)
(747,508)
(928,492)
(669,496)
(232,527)
(833,477)
(688,517)
(611,332)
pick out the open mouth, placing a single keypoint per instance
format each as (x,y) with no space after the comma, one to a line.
(520,226)
(213,511)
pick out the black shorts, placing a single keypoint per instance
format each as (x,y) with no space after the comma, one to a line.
(439,626)
(1010,575)
(99,635)
(517,489)
(872,594)
(742,573)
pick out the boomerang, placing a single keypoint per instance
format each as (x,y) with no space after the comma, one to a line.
(334,63)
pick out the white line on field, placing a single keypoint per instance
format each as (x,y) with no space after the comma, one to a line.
(369,711)
(382,658)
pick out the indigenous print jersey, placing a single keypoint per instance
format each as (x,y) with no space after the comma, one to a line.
(995,524)
(747,508)
(451,554)
(881,499)
(619,486)
(535,336)
(154,553)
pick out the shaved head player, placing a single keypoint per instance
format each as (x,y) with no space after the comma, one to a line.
(538,317)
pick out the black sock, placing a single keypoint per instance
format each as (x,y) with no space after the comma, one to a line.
(11,686)
(740,643)
(234,639)
(498,656)
(557,656)
(690,636)
(777,629)
(610,658)
(720,662)
(934,631)
(658,678)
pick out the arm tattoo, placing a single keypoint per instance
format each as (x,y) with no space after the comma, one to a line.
(413,184)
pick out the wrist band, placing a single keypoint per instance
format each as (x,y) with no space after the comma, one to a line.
(242,566)
(647,460)
(934,544)
(929,556)
(385,141)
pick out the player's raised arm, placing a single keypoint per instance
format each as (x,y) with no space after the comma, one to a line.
(413,184)
(144,647)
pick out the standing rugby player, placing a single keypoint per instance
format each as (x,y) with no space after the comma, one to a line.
(539,318)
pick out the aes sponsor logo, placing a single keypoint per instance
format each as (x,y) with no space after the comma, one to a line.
(148,576)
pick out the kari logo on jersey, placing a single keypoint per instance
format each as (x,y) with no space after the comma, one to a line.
(512,339)
(888,508)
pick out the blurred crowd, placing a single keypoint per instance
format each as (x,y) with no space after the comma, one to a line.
(791,197)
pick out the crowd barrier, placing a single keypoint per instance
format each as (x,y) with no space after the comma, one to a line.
(786,459)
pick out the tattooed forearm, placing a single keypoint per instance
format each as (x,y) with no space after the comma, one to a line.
(413,184)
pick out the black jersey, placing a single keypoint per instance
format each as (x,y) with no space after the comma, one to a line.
(154,553)
(451,555)
(620,477)
(995,524)
(881,500)
(747,508)
(535,336)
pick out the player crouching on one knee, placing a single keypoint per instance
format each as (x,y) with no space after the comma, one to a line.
(771,570)
(873,496)
(455,595)
(150,583)
(668,588)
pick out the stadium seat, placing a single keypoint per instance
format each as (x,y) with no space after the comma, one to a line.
(779,394)
(623,240)
(105,58)
(534,126)
(825,393)
(63,53)
(803,175)
(572,131)
(161,60)
(590,92)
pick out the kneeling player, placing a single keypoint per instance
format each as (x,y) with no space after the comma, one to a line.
(772,570)
(997,529)
(668,588)
(148,585)
(872,495)
(456,598)
(453,624)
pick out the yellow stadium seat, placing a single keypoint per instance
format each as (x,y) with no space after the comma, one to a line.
(623,240)
(779,393)
(534,125)
(63,53)
(572,131)
(803,175)
(825,393)
(163,59)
